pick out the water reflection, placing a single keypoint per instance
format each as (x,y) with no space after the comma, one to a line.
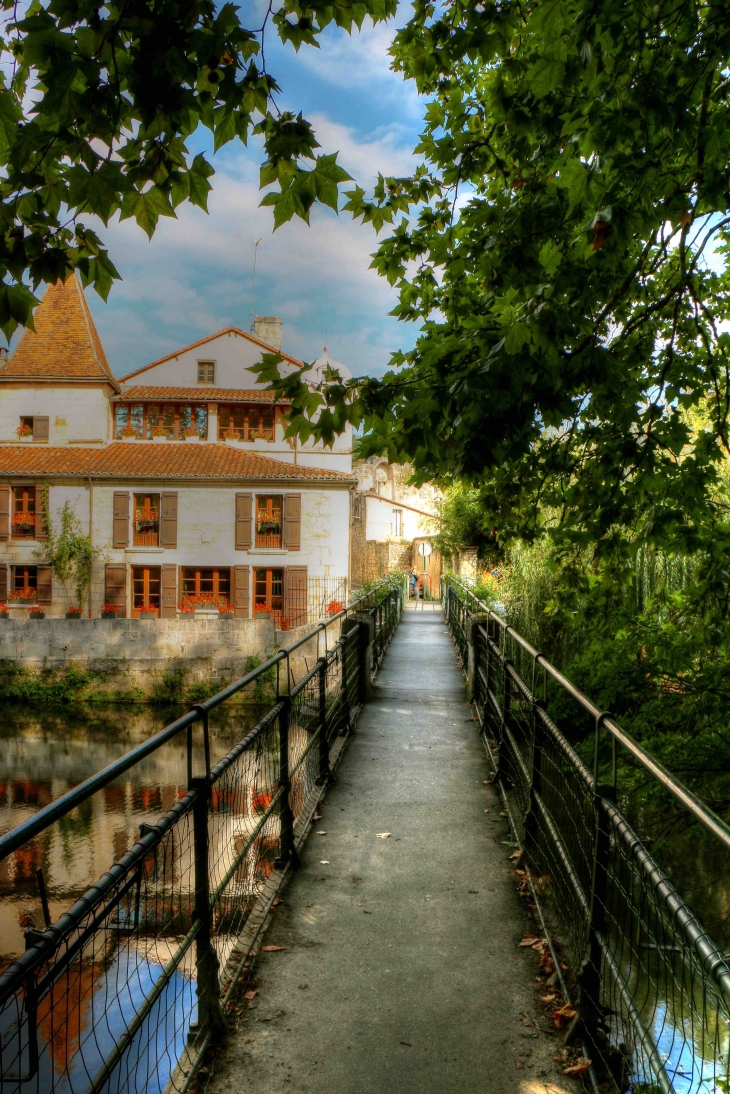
(46,751)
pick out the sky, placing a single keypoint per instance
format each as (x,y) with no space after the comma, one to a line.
(194,277)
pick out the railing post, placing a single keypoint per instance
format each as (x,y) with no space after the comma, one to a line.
(591,968)
(531,820)
(210,1014)
(344,690)
(286,817)
(324,752)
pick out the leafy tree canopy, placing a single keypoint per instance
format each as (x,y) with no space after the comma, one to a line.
(97,102)
(573,355)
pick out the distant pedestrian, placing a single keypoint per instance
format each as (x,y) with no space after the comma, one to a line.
(413,583)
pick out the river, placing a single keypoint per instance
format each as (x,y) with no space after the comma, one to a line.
(46,750)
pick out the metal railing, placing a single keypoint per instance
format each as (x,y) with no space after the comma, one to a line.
(128,988)
(651,987)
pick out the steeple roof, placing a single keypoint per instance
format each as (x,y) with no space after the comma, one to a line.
(65,344)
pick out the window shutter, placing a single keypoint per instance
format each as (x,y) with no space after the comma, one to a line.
(40,516)
(295,595)
(4,512)
(244,521)
(3,581)
(41,429)
(241,592)
(168,608)
(115,586)
(120,537)
(168,520)
(45,584)
(292,521)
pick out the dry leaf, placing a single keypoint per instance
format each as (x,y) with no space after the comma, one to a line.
(321,833)
(528,940)
(324,862)
(578,1067)
(563,1016)
(276,903)
(271,949)
(552,998)
(515,856)
(383,835)
(317,816)
(250,994)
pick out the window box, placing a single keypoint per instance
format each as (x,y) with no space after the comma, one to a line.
(36,615)
(109,615)
(73,615)
(263,615)
(4,614)
(25,438)
(195,439)
(148,615)
(159,440)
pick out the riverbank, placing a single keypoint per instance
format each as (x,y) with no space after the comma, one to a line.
(182,660)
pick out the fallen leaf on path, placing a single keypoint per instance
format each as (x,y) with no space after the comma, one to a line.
(324,862)
(487,782)
(563,1016)
(271,949)
(321,833)
(383,835)
(406,1043)
(271,1017)
(580,1067)
(317,816)
(515,856)
(519,1066)
(528,940)
(250,994)
(486,810)
(552,998)
(276,903)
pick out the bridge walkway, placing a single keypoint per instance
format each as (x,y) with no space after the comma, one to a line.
(400,971)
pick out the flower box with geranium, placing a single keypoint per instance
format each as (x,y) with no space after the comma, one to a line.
(191,434)
(24,431)
(109,611)
(23,520)
(73,613)
(226,609)
(4,614)
(147,611)
(35,611)
(128,433)
(231,435)
(23,594)
(262,611)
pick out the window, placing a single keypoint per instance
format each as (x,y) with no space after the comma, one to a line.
(155,420)
(397,523)
(146,520)
(35,427)
(252,423)
(206,372)
(145,588)
(207,585)
(23,512)
(358,506)
(25,578)
(268,590)
(268,520)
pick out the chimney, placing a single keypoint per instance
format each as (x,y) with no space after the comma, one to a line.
(268,329)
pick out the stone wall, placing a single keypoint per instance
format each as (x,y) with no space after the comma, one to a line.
(185,659)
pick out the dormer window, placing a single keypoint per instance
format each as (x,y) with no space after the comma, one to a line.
(206,372)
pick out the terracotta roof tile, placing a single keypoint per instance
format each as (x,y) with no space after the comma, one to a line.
(196,395)
(65,344)
(209,338)
(138,460)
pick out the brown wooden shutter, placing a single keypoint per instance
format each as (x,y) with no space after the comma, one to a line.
(292,521)
(168,519)
(120,536)
(244,521)
(4,512)
(3,581)
(40,517)
(115,586)
(44,584)
(241,592)
(41,429)
(295,595)
(168,607)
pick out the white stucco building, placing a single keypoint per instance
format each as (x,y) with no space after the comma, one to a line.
(179,473)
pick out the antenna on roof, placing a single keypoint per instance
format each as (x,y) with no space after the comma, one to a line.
(256,244)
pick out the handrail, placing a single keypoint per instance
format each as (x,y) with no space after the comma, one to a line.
(52,812)
(689,801)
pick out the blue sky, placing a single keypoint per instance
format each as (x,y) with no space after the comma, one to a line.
(194,277)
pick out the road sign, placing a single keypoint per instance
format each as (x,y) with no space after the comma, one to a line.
(424,549)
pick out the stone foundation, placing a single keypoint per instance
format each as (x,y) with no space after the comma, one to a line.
(158,660)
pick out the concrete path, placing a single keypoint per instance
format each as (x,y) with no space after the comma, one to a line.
(400,972)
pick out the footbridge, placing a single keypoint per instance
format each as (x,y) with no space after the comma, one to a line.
(426,869)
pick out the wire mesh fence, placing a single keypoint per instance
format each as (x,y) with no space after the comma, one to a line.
(650,984)
(126,990)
